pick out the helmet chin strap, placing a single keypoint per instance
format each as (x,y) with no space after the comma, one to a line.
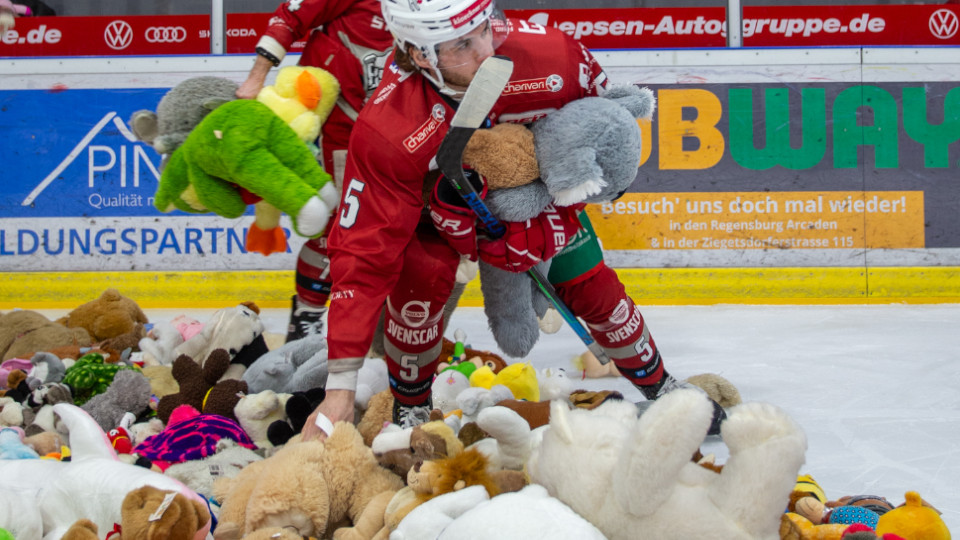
(437,79)
(434,76)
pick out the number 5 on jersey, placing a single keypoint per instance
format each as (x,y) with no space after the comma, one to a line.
(350,204)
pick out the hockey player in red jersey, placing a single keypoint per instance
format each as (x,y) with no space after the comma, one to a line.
(349,39)
(385,247)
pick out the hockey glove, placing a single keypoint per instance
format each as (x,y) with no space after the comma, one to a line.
(527,243)
(453,219)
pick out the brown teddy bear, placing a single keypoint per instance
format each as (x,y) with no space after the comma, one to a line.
(408,448)
(109,316)
(147,514)
(434,478)
(504,154)
(424,446)
(479,358)
(309,485)
(201,388)
(23,333)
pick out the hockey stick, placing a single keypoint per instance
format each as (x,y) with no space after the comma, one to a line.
(479,99)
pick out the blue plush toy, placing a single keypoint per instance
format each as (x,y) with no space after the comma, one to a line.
(12,445)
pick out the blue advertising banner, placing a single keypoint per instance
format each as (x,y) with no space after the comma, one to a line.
(90,165)
(78,191)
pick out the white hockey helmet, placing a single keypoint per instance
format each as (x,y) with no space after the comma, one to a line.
(427,23)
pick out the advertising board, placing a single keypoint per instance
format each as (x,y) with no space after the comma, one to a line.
(625,28)
(805,159)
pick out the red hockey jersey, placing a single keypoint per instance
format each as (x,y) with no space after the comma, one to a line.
(392,148)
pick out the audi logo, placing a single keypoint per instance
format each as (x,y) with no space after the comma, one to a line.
(943,23)
(118,35)
(165,34)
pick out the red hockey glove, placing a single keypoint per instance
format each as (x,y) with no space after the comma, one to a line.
(451,216)
(527,243)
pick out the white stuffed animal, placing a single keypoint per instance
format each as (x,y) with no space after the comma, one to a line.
(371,380)
(636,479)
(469,514)
(255,413)
(92,485)
(229,328)
(554,384)
(445,389)
(511,440)
(476,398)
(156,349)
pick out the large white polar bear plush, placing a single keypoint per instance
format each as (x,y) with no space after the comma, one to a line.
(635,478)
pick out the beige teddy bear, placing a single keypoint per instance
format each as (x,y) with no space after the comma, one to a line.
(311,486)
(24,332)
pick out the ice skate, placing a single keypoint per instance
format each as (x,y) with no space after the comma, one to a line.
(669,383)
(408,416)
(304,320)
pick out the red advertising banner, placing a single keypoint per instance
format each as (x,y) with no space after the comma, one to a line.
(678,28)
(629,28)
(243,31)
(107,36)
(636,28)
(813,26)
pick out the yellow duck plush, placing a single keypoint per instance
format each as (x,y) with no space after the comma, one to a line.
(303,97)
(520,378)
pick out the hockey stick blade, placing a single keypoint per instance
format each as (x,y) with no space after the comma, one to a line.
(484,91)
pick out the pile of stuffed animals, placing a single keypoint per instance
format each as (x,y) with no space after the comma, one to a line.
(115,426)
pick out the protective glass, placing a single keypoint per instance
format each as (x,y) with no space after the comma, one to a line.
(480,42)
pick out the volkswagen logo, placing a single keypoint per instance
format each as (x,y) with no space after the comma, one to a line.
(943,24)
(118,35)
(165,34)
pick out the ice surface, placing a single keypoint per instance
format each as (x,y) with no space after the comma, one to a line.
(877,388)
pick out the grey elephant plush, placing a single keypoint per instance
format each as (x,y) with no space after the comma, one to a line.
(588,151)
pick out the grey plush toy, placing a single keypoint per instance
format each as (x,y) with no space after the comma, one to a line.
(227,462)
(128,393)
(297,366)
(47,368)
(180,110)
(588,151)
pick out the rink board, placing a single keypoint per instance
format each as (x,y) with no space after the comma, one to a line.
(767,175)
(36,290)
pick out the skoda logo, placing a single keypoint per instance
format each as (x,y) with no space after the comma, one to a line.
(943,24)
(118,35)
(165,34)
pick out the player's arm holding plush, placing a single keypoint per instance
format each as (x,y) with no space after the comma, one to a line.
(291,21)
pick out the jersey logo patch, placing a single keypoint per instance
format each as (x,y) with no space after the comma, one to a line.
(551,83)
(428,128)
